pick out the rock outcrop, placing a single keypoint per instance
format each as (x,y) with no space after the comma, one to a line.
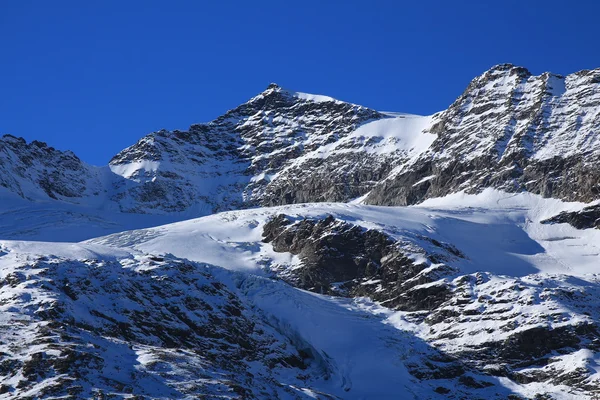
(523,329)
(588,217)
(344,259)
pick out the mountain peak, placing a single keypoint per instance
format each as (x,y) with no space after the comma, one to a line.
(290,95)
(7,137)
(510,68)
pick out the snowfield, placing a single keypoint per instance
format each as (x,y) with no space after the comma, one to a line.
(360,347)
(500,235)
(498,232)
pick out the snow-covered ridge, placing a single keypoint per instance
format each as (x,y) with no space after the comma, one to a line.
(275,88)
(509,130)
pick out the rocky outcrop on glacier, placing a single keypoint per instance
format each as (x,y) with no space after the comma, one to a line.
(538,329)
(588,217)
(344,259)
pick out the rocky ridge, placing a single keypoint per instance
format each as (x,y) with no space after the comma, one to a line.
(509,130)
(35,170)
(513,131)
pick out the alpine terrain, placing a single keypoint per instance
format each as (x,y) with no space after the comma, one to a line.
(302,247)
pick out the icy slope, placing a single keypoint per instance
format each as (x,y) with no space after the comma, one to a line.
(52,220)
(477,276)
(498,232)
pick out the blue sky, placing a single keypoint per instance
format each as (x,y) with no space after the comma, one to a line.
(94,77)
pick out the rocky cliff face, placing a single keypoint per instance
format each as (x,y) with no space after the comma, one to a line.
(512,131)
(35,170)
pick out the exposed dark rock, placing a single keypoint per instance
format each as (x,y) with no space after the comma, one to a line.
(536,342)
(589,217)
(344,259)
(442,390)
(469,381)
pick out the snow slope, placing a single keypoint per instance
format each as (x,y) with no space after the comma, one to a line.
(56,221)
(504,246)
(499,233)
(351,348)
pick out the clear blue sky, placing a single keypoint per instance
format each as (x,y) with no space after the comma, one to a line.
(95,76)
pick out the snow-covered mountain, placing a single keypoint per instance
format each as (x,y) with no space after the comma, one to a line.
(307,275)
(509,130)
(239,159)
